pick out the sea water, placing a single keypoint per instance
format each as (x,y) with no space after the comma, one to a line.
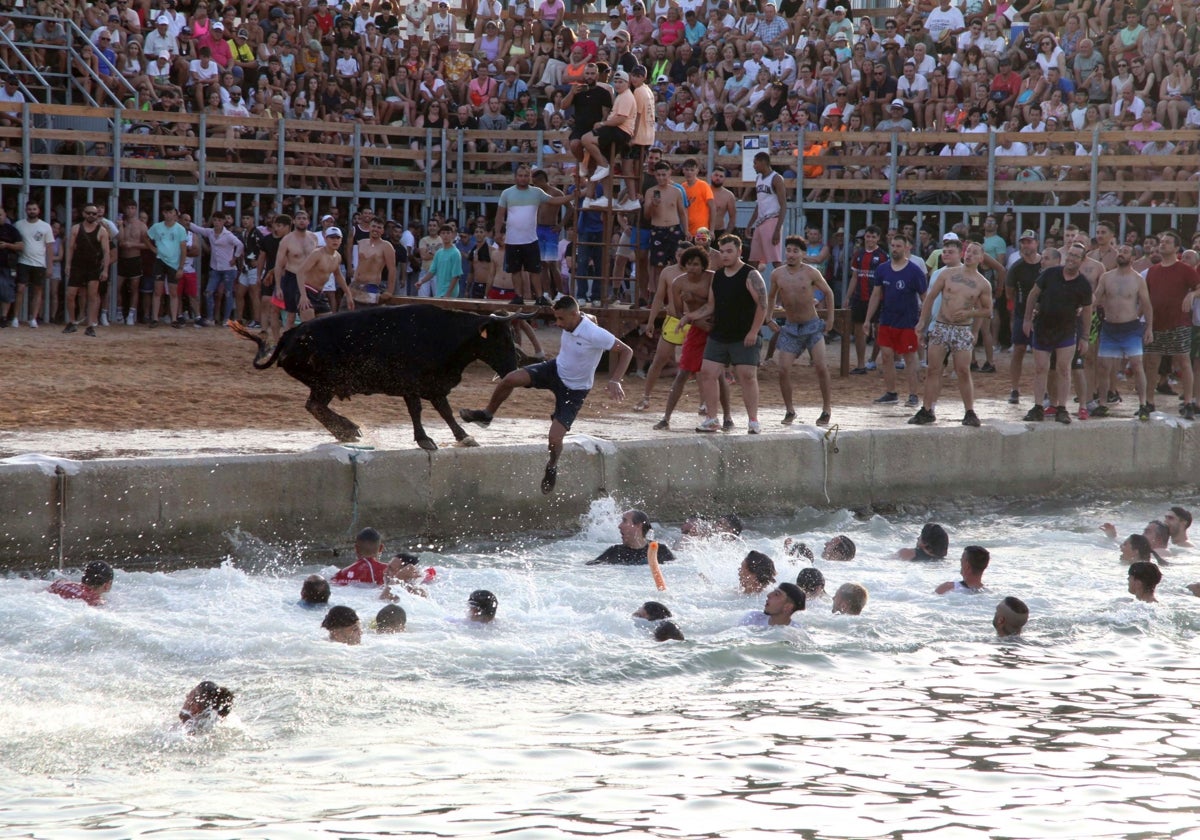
(564,717)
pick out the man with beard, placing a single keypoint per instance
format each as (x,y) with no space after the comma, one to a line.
(1062,295)
(1124,296)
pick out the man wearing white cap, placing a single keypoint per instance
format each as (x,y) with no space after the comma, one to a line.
(161,39)
(895,120)
(317,266)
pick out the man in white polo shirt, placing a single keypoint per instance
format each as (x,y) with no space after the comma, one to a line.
(569,377)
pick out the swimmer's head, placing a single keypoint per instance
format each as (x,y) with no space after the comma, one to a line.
(794,594)
(206,698)
(666,631)
(977,558)
(1182,515)
(756,571)
(481,606)
(840,547)
(1135,548)
(1158,533)
(729,523)
(403,567)
(635,525)
(811,582)
(850,599)
(391,619)
(1011,615)
(1143,579)
(314,590)
(652,611)
(934,540)
(343,626)
(98,575)
(368,543)
(695,526)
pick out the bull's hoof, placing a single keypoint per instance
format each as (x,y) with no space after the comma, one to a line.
(427,444)
(349,436)
(466,441)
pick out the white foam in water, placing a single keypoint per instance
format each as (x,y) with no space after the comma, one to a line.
(565,717)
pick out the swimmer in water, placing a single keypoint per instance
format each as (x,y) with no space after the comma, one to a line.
(811,583)
(403,570)
(634,529)
(652,611)
(314,592)
(343,626)
(667,631)
(782,602)
(933,544)
(839,549)
(727,526)
(1011,615)
(1156,532)
(97,580)
(1137,548)
(481,606)
(1144,578)
(391,619)
(368,568)
(756,572)
(204,706)
(850,599)
(971,566)
(1178,520)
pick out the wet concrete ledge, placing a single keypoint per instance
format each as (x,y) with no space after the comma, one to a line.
(171,507)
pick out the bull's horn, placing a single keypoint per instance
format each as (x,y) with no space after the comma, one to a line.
(508,316)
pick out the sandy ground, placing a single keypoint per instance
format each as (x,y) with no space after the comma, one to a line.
(133,391)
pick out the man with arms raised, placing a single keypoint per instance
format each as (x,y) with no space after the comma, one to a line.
(737,303)
(898,286)
(294,249)
(1061,299)
(966,296)
(569,377)
(688,292)
(794,286)
(1125,299)
(376,259)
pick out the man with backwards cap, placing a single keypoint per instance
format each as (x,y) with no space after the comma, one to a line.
(316,269)
(97,579)
(481,607)
(782,602)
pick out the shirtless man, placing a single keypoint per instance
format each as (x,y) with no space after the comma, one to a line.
(687,293)
(131,236)
(1126,299)
(668,223)
(966,295)
(498,284)
(375,256)
(724,205)
(549,224)
(669,339)
(794,286)
(293,250)
(317,266)
(1105,251)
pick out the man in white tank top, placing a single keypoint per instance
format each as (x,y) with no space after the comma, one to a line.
(766,224)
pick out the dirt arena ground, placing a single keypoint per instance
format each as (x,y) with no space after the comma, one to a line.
(133,391)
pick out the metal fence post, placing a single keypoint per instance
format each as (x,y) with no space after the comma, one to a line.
(1094,191)
(357,191)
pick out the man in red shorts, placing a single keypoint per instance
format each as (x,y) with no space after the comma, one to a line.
(896,294)
(689,292)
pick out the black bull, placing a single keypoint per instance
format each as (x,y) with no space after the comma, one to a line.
(416,352)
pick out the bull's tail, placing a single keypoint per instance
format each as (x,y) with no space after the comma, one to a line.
(260,362)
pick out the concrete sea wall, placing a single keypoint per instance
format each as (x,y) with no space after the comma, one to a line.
(157,507)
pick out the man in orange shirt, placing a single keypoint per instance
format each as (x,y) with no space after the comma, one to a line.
(699,196)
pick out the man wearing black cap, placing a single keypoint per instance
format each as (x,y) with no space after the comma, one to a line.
(782,602)
(481,607)
(1022,277)
(97,579)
